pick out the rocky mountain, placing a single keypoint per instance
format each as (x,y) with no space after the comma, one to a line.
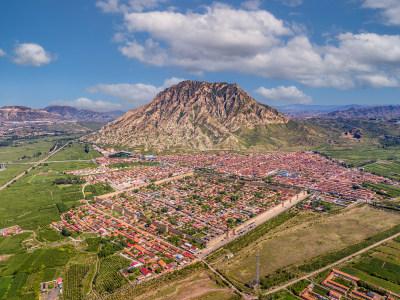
(202,116)
(23,113)
(72,113)
(375,112)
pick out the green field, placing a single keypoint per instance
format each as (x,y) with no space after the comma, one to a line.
(75,151)
(29,201)
(11,171)
(361,154)
(372,279)
(390,169)
(27,150)
(13,244)
(108,279)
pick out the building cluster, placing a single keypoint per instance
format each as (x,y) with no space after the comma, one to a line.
(91,171)
(341,285)
(305,170)
(13,230)
(138,175)
(199,207)
(149,253)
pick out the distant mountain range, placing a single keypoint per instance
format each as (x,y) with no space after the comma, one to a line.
(375,112)
(55,114)
(23,113)
(203,116)
(72,113)
(303,111)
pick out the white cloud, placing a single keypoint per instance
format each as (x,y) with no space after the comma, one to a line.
(124,6)
(390,10)
(292,3)
(132,94)
(2,53)
(255,42)
(31,54)
(287,95)
(85,103)
(251,4)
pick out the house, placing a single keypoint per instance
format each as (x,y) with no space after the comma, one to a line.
(145,272)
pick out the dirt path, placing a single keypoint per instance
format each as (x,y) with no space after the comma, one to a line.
(94,275)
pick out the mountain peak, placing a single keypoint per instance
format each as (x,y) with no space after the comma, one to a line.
(194,115)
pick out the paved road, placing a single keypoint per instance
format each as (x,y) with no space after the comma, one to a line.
(331,265)
(35,165)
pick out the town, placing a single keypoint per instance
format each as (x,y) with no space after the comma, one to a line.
(169,211)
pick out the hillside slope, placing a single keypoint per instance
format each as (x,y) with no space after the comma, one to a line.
(196,115)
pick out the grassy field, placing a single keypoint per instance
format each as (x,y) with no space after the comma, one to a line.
(13,244)
(29,201)
(26,150)
(74,151)
(390,169)
(308,240)
(11,171)
(360,154)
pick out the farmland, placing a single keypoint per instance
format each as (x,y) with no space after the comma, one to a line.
(75,151)
(75,277)
(10,172)
(296,243)
(381,266)
(108,279)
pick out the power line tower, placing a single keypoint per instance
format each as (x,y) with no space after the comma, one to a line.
(257,279)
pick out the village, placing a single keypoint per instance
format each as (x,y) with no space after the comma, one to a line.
(169,211)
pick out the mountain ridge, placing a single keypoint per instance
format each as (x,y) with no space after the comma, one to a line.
(54,114)
(384,112)
(201,116)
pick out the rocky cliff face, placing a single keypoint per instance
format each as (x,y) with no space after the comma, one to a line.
(193,115)
(23,113)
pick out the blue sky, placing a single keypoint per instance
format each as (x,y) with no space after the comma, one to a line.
(117,54)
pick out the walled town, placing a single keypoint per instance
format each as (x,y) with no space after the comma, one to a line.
(168,211)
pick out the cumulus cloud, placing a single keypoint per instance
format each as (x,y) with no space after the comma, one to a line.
(2,53)
(292,3)
(223,38)
(124,6)
(390,10)
(282,94)
(31,54)
(132,94)
(85,103)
